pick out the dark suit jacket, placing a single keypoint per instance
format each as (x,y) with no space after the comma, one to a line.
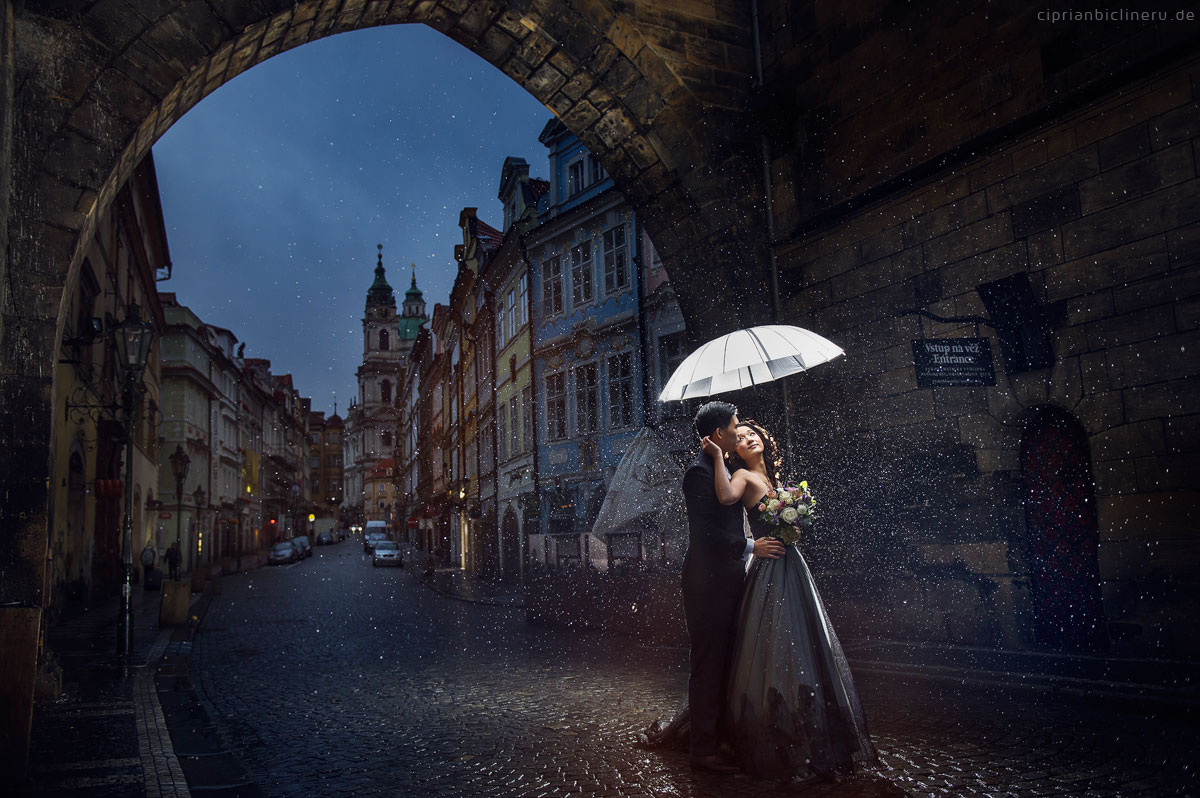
(716,538)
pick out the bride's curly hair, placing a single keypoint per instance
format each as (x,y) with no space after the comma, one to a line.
(770,452)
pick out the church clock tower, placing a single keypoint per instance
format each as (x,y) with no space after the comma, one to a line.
(372,422)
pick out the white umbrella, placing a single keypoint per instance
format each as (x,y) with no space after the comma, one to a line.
(747,358)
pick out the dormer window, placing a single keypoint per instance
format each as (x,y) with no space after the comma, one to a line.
(575,175)
(597,172)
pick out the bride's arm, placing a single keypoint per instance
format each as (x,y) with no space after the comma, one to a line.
(729,491)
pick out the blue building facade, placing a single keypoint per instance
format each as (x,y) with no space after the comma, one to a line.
(589,342)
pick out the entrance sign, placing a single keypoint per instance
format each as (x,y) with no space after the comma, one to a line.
(950,362)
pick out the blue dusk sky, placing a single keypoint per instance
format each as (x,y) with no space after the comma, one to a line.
(277,187)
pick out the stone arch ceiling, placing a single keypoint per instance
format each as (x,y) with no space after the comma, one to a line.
(654,91)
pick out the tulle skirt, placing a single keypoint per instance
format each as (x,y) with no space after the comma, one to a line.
(791,709)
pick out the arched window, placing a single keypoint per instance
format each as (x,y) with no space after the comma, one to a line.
(385,391)
(384,340)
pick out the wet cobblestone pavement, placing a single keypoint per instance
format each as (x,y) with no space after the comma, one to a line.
(331,677)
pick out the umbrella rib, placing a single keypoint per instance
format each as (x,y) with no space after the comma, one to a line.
(759,344)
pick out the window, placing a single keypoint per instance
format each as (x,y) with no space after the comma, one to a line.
(616,262)
(510,313)
(387,439)
(316,462)
(582,288)
(514,415)
(385,391)
(620,390)
(552,287)
(671,352)
(585,399)
(316,488)
(522,301)
(527,418)
(501,326)
(556,406)
(384,340)
(501,431)
(575,175)
(596,171)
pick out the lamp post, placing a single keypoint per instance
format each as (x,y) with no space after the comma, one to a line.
(179,467)
(198,495)
(134,337)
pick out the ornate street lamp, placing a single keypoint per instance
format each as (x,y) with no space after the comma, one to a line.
(198,495)
(133,338)
(179,467)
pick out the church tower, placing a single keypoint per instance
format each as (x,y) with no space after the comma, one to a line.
(383,356)
(371,424)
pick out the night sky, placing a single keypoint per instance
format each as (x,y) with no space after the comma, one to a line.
(277,187)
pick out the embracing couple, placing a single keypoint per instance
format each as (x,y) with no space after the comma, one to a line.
(770,692)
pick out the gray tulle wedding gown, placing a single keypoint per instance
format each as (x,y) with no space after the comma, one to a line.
(791,709)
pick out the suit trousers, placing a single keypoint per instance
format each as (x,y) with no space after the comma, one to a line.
(711,624)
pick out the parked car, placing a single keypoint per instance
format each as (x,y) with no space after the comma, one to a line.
(323,525)
(386,552)
(303,545)
(283,552)
(325,539)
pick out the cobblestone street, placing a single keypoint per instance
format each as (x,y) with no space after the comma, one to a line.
(332,677)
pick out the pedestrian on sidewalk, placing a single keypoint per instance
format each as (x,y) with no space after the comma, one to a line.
(173,561)
(149,556)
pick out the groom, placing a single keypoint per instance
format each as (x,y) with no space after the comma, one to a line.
(713,573)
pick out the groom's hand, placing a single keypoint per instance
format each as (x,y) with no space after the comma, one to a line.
(771,548)
(710,448)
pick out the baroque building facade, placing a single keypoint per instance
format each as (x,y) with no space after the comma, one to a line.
(372,422)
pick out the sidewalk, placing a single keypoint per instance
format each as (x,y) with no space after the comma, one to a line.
(461,585)
(104,734)
(1166,682)
(116,728)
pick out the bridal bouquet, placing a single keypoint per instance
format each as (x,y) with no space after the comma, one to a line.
(788,510)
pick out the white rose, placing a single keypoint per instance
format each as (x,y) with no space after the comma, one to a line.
(773,505)
(789,515)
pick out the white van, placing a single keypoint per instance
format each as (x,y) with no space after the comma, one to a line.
(375,530)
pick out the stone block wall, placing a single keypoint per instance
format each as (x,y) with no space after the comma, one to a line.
(923,526)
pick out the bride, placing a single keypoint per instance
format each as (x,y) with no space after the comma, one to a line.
(791,710)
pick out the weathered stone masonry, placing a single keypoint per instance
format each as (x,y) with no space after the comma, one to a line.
(923,190)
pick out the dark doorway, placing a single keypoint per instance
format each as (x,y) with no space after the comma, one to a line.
(1063,536)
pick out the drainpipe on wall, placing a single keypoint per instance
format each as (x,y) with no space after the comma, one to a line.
(770,205)
(639,285)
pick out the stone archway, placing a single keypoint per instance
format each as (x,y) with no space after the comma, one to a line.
(87,87)
(95,84)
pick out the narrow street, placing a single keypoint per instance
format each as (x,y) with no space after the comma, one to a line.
(332,677)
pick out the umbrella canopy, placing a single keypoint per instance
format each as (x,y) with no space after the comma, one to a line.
(747,358)
(644,497)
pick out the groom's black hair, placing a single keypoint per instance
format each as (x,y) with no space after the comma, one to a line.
(713,416)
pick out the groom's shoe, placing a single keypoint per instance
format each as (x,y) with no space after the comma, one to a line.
(714,764)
